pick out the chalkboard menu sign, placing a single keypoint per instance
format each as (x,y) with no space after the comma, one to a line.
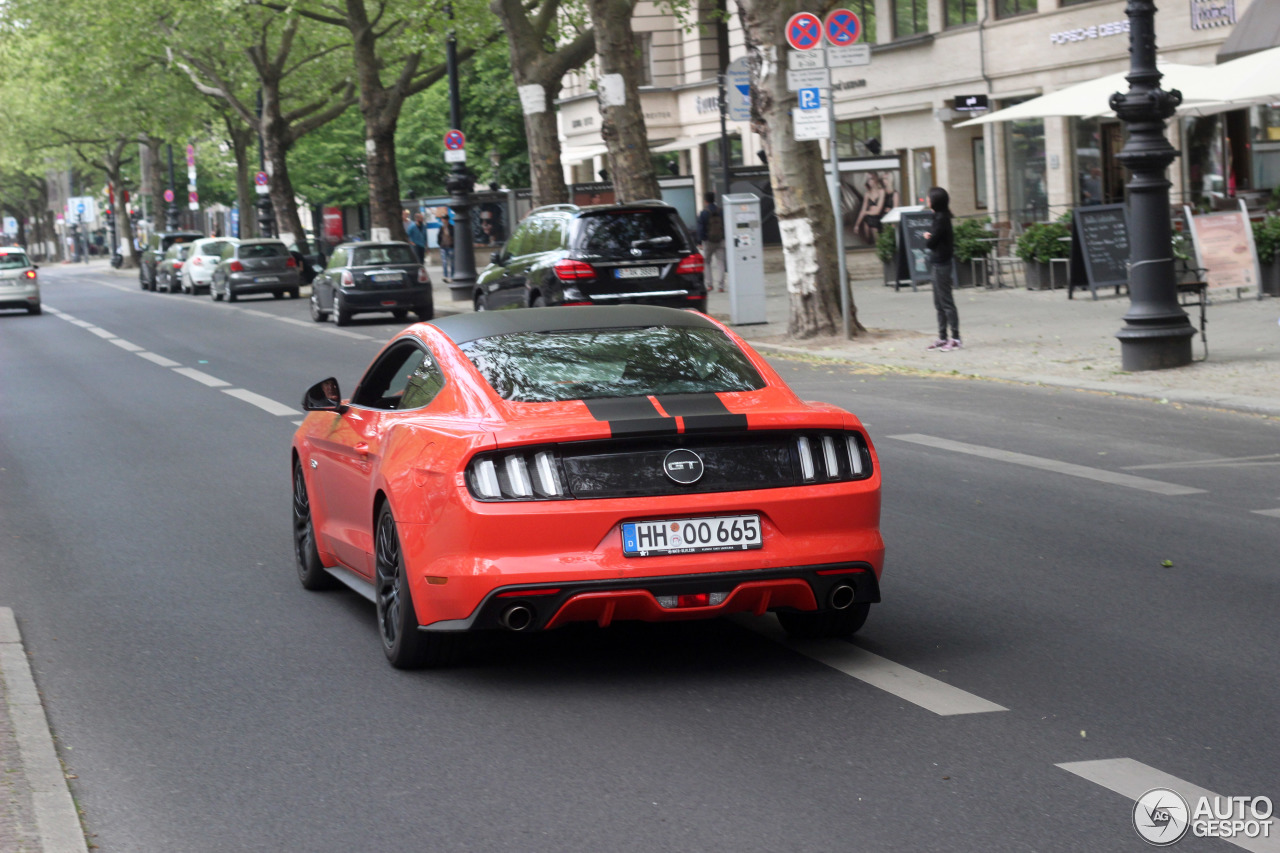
(913,256)
(1100,247)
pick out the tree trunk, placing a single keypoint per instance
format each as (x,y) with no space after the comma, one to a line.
(622,118)
(283,201)
(800,196)
(159,183)
(545,167)
(241,138)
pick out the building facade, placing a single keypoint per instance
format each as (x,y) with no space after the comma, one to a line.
(898,117)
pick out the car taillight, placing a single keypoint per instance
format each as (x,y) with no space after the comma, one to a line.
(690,264)
(30,274)
(423,278)
(177,265)
(198,261)
(571,270)
(830,457)
(290,262)
(520,475)
(348,280)
(235,266)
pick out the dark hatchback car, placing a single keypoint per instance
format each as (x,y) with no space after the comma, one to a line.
(255,266)
(361,278)
(169,270)
(613,254)
(153,254)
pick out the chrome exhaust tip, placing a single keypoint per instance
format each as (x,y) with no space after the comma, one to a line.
(842,597)
(517,617)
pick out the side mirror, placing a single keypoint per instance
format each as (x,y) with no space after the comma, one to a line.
(324,396)
(496,257)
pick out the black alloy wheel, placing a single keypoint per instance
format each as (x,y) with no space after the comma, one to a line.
(306,557)
(231,294)
(214,293)
(405,646)
(341,315)
(318,314)
(824,624)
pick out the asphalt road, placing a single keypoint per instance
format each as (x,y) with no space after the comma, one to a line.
(205,702)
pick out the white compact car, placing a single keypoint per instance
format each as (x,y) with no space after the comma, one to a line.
(203,256)
(19,287)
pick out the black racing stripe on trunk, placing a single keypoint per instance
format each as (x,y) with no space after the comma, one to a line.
(702,412)
(631,416)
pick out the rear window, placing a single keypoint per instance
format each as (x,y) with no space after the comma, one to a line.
(614,234)
(181,238)
(13,261)
(264,250)
(540,367)
(373,255)
(212,248)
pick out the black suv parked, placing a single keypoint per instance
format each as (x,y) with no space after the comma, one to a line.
(364,277)
(564,254)
(157,245)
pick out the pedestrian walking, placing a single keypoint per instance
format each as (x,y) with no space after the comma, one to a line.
(711,241)
(445,241)
(417,233)
(941,243)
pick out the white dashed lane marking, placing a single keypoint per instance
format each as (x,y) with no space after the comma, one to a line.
(1100,475)
(1236,462)
(918,689)
(130,346)
(201,377)
(159,359)
(264,403)
(102,333)
(1274,513)
(1132,779)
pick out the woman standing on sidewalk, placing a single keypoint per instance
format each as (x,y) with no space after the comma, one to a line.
(941,242)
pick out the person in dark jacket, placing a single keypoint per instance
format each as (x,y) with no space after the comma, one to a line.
(941,242)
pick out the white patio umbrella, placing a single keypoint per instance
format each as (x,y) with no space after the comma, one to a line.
(1091,97)
(1250,79)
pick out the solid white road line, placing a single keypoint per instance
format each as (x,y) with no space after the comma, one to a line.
(1274,513)
(159,359)
(264,403)
(201,377)
(126,345)
(1100,475)
(1132,779)
(929,693)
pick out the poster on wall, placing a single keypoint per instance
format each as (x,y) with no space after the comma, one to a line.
(1224,248)
(866,195)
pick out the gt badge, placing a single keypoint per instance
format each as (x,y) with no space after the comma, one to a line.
(683,466)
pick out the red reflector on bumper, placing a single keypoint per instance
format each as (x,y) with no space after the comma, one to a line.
(842,571)
(528,592)
(700,599)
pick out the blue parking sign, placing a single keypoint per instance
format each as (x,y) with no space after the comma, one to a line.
(810,99)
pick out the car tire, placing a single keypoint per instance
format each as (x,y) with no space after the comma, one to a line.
(404,645)
(35,309)
(539,301)
(142,278)
(277,294)
(400,313)
(306,556)
(318,314)
(425,314)
(214,293)
(481,303)
(231,294)
(824,624)
(341,316)
(294,293)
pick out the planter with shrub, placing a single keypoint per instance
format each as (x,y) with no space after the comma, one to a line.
(887,252)
(1038,245)
(973,245)
(1266,237)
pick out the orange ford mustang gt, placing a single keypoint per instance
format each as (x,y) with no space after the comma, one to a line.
(524,469)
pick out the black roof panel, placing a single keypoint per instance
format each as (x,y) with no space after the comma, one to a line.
(487,324)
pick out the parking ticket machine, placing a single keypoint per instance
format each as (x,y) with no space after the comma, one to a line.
(744,258)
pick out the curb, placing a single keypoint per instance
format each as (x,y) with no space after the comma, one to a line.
(1233,402)
(57,821)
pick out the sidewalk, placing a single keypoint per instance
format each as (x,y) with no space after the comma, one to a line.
(1040,337)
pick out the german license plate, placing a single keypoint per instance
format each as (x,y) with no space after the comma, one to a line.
(263,279)
(390,276)
(691,535)
(636,272)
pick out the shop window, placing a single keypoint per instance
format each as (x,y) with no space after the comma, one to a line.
(711,150)
(910,17)
(858,138)
(1266,148)
(922,174)
(1087,135)
(1025,161)
(644,45)
(866,195)
(980,173)
(1011,8)
(961,12)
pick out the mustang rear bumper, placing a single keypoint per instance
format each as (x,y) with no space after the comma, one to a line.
(605,601)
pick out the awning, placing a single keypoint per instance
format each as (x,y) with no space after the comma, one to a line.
(1251,79)
(1258,29)
(574,154)
(688,142)
(1091,97)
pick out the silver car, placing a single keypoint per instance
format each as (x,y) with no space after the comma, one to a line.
(255,266)
(19,287)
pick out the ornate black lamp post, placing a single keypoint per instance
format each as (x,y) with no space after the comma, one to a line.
(1157,332)
(266,214)
(460,183)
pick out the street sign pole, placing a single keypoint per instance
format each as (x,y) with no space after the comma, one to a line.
(834,183)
